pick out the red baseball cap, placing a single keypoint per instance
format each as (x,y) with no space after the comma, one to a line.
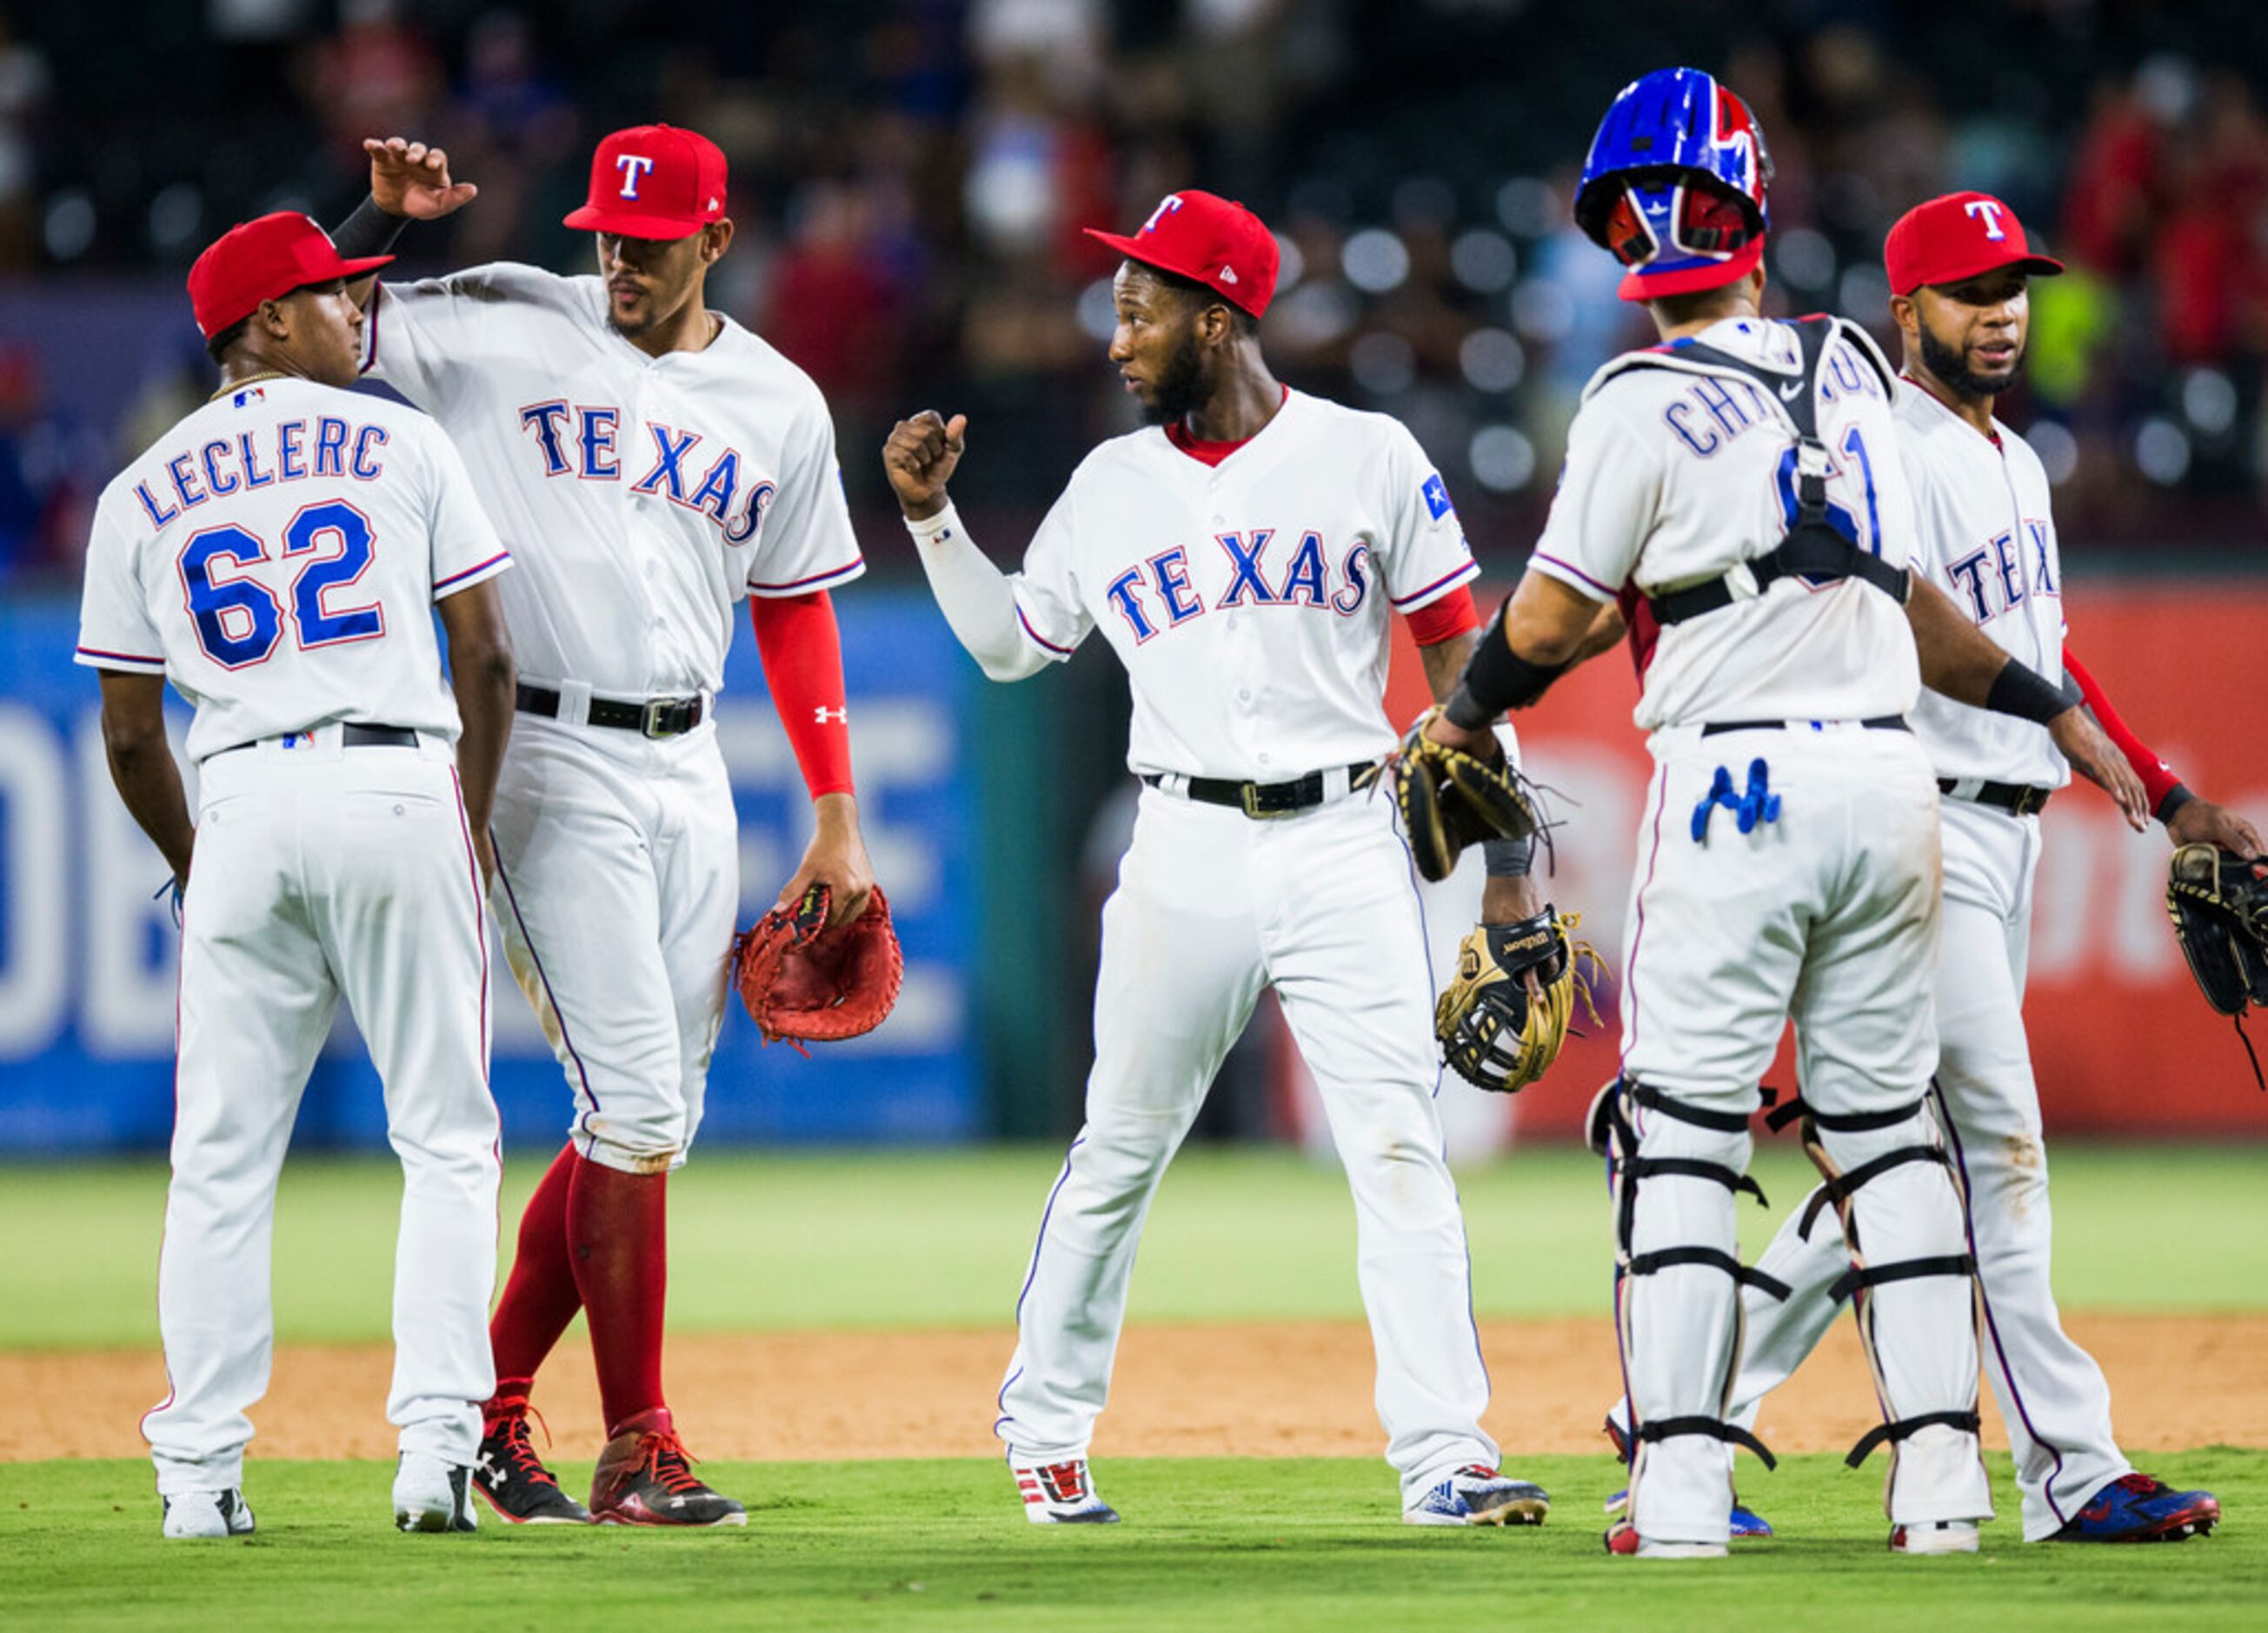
(1206,237)
(1956,238)
(265,260)
(653,181)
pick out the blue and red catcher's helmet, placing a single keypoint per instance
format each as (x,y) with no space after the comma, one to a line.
(1674,185)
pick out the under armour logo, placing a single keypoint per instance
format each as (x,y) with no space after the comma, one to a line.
(1166,207)
(632,165)
(1987,210)
(826,714)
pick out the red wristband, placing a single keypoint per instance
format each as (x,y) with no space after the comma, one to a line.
(802,654)
(2158,778)
(1445,619)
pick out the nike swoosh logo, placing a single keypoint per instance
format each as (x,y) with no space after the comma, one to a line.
(1791,391)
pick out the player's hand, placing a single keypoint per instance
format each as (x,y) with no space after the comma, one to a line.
(835,858)
(920,457)
(1481,745)
(2095,758)
(2201,821)
(410,179)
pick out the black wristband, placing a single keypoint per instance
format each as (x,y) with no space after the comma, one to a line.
(2024,692)
(1497,678)
(369,230)
(1509,859)
(2175,798)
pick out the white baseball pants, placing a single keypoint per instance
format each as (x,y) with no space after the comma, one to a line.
(1211,908)
(322,872)
(618,879)
(2052,1393)
(1827,914)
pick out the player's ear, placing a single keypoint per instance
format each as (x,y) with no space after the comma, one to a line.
(716,237)
(1905,314)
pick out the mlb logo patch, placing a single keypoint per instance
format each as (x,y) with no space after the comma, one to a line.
(1437,496)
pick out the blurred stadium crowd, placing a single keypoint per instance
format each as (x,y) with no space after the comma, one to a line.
(910,178)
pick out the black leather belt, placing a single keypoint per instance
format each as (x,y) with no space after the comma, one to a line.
(1259,799)
(1881,722)
(351,736)
(2017,799)
(656,717)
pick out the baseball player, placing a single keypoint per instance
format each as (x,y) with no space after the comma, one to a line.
(1744,477)
(1959,269)
(654,463)
(1242,556)
(275,556)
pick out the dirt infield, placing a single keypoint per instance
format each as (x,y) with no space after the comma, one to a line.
(1283,1389)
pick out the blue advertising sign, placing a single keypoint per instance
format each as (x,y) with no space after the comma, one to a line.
(87,957)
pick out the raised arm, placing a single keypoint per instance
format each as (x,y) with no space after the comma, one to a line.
(978,603)
(409,181)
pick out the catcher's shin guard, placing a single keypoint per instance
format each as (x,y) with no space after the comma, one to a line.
(1675,1166)
(1913,1278)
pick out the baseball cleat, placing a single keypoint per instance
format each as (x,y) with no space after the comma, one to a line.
(1748,1525)
(2136,1507)
(1624,1539)
(512,1478)
(208,1514)
(1476,1495)
(1061,1494)
(644,1477)
(1942,1536)
(433,1495)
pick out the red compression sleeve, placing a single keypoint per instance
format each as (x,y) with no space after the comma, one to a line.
(802,651)
(2157,777)
(1445,619)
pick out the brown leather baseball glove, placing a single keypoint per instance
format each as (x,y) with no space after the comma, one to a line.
(803,982)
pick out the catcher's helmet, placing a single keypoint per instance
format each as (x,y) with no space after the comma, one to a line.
(1674,183)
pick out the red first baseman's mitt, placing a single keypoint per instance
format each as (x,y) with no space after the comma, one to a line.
(805,983)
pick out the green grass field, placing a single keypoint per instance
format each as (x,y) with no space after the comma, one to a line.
(828,1241)
(787,1242)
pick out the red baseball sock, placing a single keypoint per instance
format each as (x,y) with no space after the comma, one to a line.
(618,1236)
(539,1297)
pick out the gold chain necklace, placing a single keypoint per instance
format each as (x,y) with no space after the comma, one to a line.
(235,386)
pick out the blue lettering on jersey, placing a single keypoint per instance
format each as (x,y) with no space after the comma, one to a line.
(1968,577)
(544,419)
(2012,570)
(1122,593)
(2040,535)
(1245,583)
(597,442)
(1169,570)
(1303,579)
(227,465)
(1348,599)
(669,452)
(330,446)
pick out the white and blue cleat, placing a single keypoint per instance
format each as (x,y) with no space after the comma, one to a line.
(1476,1495)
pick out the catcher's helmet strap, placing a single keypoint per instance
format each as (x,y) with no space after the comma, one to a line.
(1812,547)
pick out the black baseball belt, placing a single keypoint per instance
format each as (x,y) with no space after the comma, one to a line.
(1256,800)
(656,717)
(2017,799)
(1881,722)
(353,735)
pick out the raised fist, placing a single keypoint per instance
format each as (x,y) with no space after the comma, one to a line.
(920,457)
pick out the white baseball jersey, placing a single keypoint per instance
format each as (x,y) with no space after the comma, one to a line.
(1988,542)
(645,496)
(275,555)
(1673,478)
(1248,601)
